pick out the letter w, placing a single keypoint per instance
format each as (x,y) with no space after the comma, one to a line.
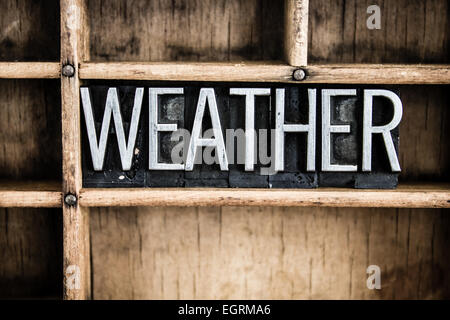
(112,106)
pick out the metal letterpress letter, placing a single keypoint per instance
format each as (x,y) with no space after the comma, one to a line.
(112,106)
(281,128)
(155,127)
(369,129)
(250,121)
(328,128)
(207,95)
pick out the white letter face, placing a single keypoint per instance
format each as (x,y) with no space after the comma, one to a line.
(207,95)
(281,128)
(250,121)
(374,280)
(112,107)
(298,136)
(155,127)
(328,129)
(385,130)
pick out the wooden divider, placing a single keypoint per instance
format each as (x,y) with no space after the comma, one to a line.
(296,32)
(74,49)
(29,70)
(406,196)
(30,194)
(268,72)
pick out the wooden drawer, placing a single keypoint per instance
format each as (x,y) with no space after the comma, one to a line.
(218,243)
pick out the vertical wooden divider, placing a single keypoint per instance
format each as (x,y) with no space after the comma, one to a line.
(296,32)
(74,49)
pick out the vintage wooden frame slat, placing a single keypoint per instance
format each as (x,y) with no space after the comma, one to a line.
(405,196)
(269,72)
(30,199)
(76,255)
(296,32)
(244,71)
(48,195)
(31,194)
(30,70)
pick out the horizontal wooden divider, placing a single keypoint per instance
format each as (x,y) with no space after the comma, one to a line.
(239,71)
(268,72)
(30,70)
(48,195)
(406,196)
(379,74)
(191,71)
(30,194)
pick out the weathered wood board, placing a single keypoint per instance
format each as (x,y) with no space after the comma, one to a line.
(30,253)
(180,265)
(29,30)
(268,253)
(30,149)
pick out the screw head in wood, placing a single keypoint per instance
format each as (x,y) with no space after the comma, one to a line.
(299,74)
(70,200)
(68,70)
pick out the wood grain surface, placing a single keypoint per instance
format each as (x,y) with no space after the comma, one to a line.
(30,131)
(405,196)
(29,70)
(268,253)
(227,252)
(30,253)
(30,135)
(76,251)
(256,252)
(194,30)
(296,32)
(269,72)
(29,30)
(411,32)
(30,194)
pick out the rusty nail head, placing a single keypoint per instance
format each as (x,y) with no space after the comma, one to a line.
(70,199)
(299,74)
(68,70)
